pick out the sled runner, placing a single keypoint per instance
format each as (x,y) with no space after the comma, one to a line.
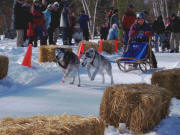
(138,55)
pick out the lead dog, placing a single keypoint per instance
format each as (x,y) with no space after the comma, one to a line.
(68,61)
(92,59)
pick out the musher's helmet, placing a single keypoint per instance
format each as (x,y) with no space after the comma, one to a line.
(141,15)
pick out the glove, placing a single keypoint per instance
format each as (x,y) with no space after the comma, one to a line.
(133,32)
(148,33)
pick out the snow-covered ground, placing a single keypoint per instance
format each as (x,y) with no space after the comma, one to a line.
(38,90)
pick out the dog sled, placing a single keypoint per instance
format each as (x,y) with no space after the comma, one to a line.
(137,56)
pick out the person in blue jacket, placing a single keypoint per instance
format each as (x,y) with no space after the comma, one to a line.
(83,21)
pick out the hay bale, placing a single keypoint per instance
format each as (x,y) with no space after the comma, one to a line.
(140,106)
(169,79)
(4,62)
(109,46)
(52,125)
(47,53)
(88,45)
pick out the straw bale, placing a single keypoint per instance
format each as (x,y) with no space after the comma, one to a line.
(4,62)
(47,53)
(140,106)
(169,79)
(88,45)
(109,46)
(52,125)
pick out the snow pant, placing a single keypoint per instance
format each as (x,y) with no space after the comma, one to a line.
(175,37)
(50,35)
(38,34)
(20,37)
(56,34)
(158,41)
(126,37)
(86,34)
(70,33)
(65,35)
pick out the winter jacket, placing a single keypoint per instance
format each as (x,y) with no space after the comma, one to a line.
(158,26)
(65,22)
(38,16)
(55,19)
(104,32)
(19,15)
(113,35)
(175,25)
(83,21)
(127,20)
(47,15)
(114,19)
(139,33)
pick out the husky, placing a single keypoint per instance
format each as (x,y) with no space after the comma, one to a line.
(92,59)
(68,61)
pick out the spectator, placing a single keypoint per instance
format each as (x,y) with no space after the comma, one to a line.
(159,29)
(77,35)
(47,15)
(175,33)
(73,22)
(38,22)
(20,25)
(113,34)
(54,25)
(83,21)
(104,31)
(114,18)
(127,20)
(65,23)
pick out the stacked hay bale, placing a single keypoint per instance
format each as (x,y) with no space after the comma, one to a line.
(169,79)
(47,53)
(4,62)
(88,45)
(52,125)
(140,106)
(109,46)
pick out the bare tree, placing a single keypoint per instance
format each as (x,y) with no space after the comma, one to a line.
(90,8)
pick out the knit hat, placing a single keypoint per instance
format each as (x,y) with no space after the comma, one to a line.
(56,4)
(49,6)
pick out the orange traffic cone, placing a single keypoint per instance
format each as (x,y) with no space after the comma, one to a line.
(100,46)
(81,50)
(116,45)
(27,57)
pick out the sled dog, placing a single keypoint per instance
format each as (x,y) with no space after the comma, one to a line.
(92,59)
(68,61)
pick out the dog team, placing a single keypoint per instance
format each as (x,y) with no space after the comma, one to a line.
(69,61)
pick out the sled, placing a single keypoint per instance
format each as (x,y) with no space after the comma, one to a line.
(137,56)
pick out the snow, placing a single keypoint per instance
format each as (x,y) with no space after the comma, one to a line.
(39,90)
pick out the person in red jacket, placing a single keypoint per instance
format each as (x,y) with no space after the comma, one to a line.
(38,22)
(127,20)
